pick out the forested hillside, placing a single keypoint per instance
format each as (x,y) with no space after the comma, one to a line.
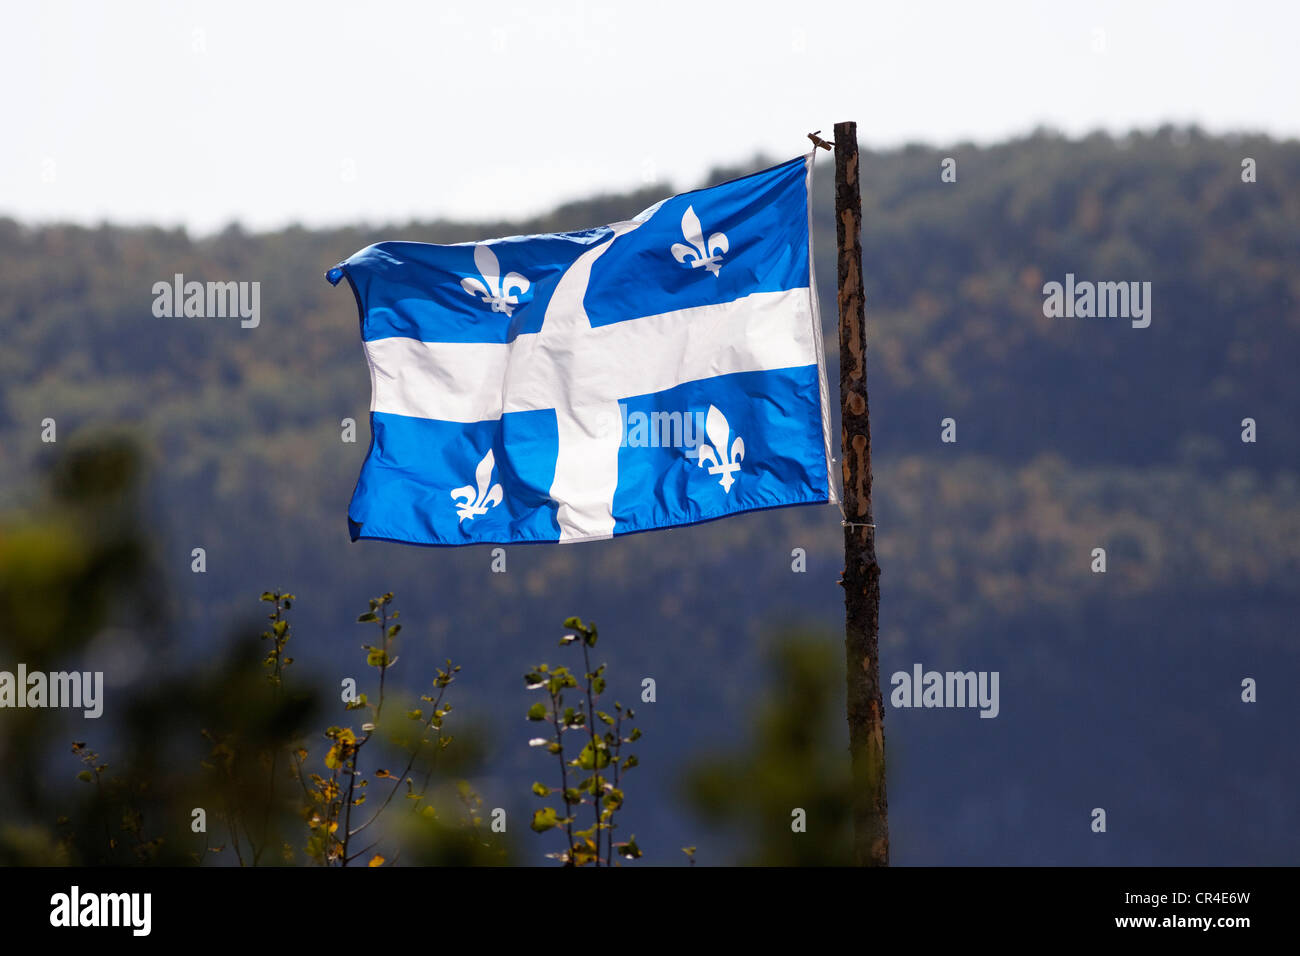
(1118,690)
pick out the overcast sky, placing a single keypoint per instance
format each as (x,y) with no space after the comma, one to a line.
(198,113)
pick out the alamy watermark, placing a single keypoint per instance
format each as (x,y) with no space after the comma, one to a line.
(77,909)
(210,300)
(922,688)
(78,690)
(1100,300)
(677,429)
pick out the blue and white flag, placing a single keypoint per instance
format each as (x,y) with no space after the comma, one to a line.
(657,372)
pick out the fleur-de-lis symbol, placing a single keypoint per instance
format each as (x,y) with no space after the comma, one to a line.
(699,253)
(722,460)
(476,501)
(502,292)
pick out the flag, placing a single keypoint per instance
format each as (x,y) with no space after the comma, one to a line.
(657,372)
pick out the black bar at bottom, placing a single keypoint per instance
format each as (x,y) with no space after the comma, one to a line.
(231,905)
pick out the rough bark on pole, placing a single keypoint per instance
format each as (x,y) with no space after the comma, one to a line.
(861,572)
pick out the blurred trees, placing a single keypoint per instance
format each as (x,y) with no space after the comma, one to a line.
(787,792)
(210,758)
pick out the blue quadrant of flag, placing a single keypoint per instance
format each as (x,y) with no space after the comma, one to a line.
(657,372)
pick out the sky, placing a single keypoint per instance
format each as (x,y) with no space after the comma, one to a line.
(321,113)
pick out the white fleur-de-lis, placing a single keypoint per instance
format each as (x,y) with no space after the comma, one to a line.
(502,292)
(699,253)
(721,460)
(476,501)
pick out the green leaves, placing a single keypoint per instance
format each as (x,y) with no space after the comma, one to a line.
(601,750)
(379,605)
(584,852)
(586,631)
(594,756)
(278,635)
(561,679)
(546,819)
(343,786)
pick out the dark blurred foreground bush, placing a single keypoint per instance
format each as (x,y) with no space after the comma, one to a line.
(208,762)
(788,795)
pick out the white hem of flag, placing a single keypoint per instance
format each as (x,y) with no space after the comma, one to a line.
(832,495)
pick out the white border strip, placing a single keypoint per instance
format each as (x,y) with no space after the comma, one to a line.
(832,495)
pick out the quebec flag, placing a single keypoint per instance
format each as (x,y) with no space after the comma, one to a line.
(657,372)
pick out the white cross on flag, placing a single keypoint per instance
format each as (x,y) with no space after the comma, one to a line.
(573,386)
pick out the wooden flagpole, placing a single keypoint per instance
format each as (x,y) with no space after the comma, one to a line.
(861,579)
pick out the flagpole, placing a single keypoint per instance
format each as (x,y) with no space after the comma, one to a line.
(861,579)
